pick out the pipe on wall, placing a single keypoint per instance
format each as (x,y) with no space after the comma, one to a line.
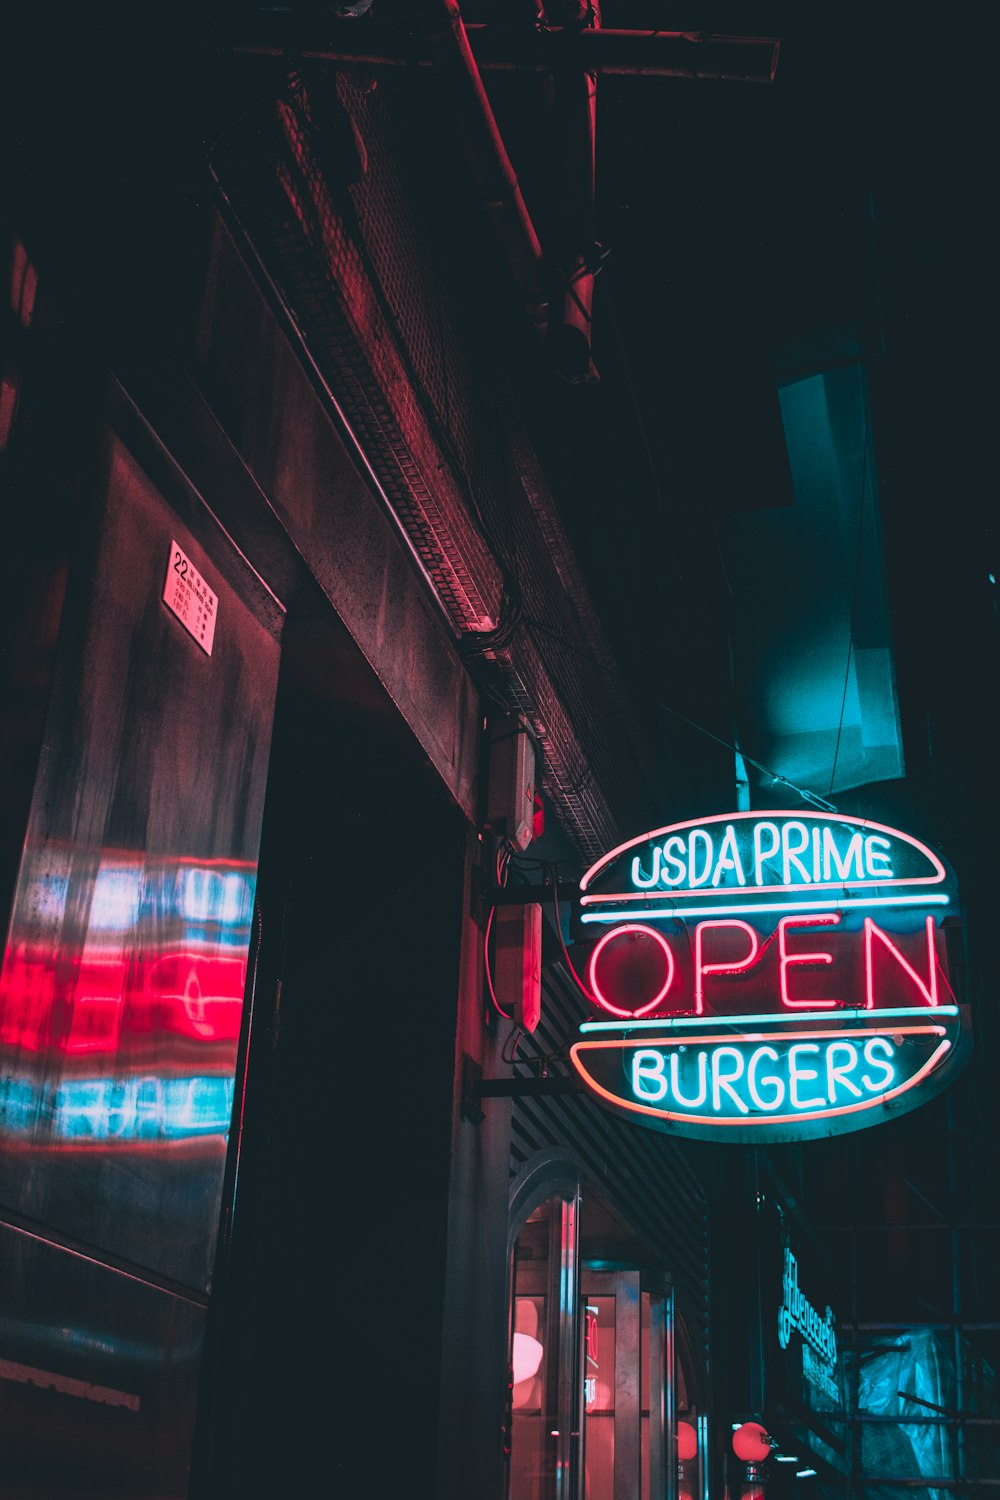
(575,98)
(492,168)
(569,44)
(631,53)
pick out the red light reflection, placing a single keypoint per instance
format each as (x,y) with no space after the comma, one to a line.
(122,968)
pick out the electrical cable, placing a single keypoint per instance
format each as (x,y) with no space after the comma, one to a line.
(512,604)
(776,777)
(508,1052)
(854,589)
(947,983)
(439,424)
(500,870)
(565,952)
(489,976)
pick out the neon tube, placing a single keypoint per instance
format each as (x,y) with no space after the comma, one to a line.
(826,919)
(750,891)
(796,1119)
(929,989)
(842,818)
(671,1023)
(701,968)
(609,937)
(746,908)
(930,1029)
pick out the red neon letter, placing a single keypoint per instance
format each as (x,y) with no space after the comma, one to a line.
(928,990)
(701,969)
(827,919)
(616,932)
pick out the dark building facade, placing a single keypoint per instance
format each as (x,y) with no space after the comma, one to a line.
(322,496)
(248,861)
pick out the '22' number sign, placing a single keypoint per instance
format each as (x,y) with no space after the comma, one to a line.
(187,595)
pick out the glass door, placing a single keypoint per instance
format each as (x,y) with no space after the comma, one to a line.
(544,1388)
(628,1387)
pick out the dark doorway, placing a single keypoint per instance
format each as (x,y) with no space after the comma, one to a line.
(328,1335)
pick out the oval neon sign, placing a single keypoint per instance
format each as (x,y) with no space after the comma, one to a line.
(771,976)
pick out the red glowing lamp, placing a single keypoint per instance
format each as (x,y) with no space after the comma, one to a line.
(751,1443)
(687,1441)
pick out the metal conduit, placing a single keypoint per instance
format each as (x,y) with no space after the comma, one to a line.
(575,95)
(634,53)
(492,167)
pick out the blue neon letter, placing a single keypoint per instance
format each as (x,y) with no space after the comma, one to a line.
(725,1081)
(795,1074)
(675,1068)
(639,874)
(756,1058)
(835,1074)
(762,855)
(649,1079)
(876,1085)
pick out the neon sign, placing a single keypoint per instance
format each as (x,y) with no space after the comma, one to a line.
(809,995)
(818,1332)
(745,853)
(797,1312)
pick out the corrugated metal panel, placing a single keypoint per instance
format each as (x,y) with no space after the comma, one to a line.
(645,1176)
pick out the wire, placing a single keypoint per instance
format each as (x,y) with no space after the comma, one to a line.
(854,588)
(489,977)
(508,1051)
(501,869)
(512,606)
(941,971)
(565,951)
(512,613)
(813,798)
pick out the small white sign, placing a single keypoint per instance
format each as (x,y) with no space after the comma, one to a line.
(188,596)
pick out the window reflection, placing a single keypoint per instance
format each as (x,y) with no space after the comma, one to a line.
(121,997)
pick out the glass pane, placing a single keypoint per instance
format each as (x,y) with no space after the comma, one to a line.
(653,1398)
(690,1439)
(599,1398)
(530,1447)
(692,1434)
(647,1355)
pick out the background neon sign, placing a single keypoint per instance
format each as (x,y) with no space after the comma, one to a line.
(768,976)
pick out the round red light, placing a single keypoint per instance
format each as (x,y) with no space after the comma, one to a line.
(750,1442)
(687,1441)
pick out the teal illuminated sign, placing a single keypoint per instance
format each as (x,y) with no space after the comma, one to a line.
(746,855)
(809,996)
(818,1332)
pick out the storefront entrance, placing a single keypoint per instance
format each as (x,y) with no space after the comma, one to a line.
(593,1370)
(627,1384)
